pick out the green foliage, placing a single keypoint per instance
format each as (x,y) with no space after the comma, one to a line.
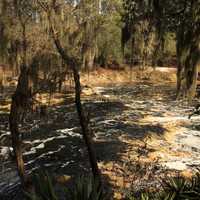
(177,188)
(177,16)
(109,37)
(44,189)
(143,28)
(143,196)
(109,46)
(84,189)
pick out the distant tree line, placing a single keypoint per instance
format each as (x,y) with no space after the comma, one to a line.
(154,20)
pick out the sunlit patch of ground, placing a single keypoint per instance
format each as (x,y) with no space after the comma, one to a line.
(141,133)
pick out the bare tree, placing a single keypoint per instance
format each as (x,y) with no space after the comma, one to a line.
(75,65)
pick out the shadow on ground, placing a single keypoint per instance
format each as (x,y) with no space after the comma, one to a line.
(54,143)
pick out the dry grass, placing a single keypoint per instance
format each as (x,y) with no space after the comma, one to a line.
(107,76)
(136,162)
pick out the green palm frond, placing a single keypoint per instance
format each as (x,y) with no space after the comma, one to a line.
(87,189)
(44,189)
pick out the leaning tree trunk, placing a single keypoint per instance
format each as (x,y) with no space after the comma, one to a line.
(82,118)
(84,126)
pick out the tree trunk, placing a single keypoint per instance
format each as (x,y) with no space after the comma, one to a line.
(19,105)
(192,71)
(16,142)
(179,77)
(84,126)
(88,57)
(71,62)
(188,54)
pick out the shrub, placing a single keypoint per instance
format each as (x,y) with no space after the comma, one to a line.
(176,188)
(84,189)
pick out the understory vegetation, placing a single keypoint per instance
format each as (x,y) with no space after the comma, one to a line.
(105,90)
(174,188)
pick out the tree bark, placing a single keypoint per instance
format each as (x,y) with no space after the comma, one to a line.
(191,71)
(188,54)
(179,77)
(84,126)
(19,105)
(72,62)
(20,99)
(16,141)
